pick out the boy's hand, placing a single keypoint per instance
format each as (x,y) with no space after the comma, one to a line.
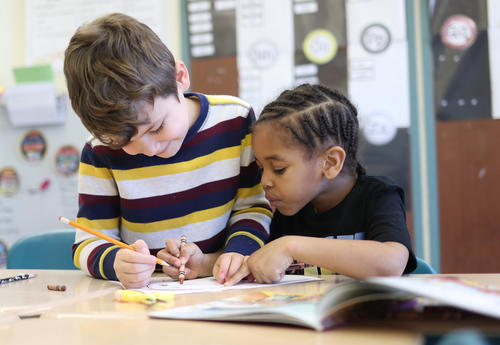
(134,268)
(189,254)
(227,265)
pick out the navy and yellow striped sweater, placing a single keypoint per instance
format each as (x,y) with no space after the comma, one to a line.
(209,191)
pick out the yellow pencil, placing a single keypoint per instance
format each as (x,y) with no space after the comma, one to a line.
(104,237)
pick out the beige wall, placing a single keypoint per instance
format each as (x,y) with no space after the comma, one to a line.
(12,35)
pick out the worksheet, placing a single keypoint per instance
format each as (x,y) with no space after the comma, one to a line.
(209,284)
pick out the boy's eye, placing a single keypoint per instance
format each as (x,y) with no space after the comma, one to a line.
(279,171)
(158,130)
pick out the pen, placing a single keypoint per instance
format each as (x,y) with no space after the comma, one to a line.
(182,268)
(104,237)
(16,278)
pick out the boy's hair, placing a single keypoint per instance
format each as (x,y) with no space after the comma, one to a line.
(112,66)
(316,116)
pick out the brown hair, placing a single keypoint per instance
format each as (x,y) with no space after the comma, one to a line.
(112,66)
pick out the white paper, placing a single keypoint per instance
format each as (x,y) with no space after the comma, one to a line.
(494,51)
(209,284)
(265,45)
(51,23)
(378,82)
(33,104)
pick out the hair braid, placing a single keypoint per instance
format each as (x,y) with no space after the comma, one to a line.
(315,115)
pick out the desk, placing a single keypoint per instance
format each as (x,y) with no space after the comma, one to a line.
(86,313)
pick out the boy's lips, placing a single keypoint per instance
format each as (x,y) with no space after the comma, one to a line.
(164,150)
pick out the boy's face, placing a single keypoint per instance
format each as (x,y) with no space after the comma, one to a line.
(168,124)
(288,178)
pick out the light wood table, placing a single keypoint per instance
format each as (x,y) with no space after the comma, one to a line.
(86,313)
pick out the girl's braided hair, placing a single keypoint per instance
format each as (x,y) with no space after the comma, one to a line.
(316,116)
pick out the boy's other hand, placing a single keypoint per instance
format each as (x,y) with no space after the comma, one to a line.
(227,265)
(189,254)
(134,268)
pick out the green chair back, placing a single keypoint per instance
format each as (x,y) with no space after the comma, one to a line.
(47,250)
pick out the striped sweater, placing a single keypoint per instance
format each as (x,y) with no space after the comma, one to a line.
(209,191)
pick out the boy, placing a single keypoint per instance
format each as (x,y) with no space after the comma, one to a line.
(162,163)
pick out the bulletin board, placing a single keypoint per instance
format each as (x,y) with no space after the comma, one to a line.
(466,64)
(39,164)
(357,47)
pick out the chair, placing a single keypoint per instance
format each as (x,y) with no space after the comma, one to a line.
(47,250)
(423,268)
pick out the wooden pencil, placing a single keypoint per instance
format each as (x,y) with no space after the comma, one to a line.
(104,237)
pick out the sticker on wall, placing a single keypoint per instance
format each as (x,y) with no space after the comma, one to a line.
(458,32)
(33,146)
(9,181)
(375,38)
(378,129)
(67,160)
(320,46)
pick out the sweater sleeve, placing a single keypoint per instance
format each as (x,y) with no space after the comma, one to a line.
(248,226)
(99,209)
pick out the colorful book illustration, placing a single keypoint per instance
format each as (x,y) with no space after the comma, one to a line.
(346,302)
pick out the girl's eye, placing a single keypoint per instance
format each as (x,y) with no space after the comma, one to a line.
(158,130)
(279,171)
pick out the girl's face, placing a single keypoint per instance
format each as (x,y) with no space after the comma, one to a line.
(289,178)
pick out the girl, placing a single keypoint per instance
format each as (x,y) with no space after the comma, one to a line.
(329,213)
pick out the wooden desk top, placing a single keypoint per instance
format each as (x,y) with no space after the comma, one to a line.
(86,313)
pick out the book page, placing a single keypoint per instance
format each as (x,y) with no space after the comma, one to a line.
(209,284)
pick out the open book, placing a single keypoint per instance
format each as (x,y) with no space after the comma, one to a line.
(345,302)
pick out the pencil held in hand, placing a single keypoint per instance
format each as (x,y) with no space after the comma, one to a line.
(182,268)
(104,237)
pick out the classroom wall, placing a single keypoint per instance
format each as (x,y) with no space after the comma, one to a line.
(43,193)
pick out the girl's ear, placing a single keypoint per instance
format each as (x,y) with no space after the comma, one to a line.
(182,76)
(333,161)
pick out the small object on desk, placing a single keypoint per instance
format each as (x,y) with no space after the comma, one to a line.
(104,237)
(55,287)
(135,296)
(182,269)
(16,278)
(163,296)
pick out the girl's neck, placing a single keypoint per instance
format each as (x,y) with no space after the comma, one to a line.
(333,192)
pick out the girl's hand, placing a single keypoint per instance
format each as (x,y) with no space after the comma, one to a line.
(269,263)
(227,265)
(174,254)
(134,268)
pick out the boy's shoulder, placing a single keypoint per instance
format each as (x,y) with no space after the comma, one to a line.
(377,185)
(226,100)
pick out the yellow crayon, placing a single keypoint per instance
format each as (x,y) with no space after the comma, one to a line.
(135,297)
(163,296)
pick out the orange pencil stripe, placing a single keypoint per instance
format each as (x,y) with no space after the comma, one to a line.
(104,237)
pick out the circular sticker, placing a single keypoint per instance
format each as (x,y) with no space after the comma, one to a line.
(9,181)
(375,38)
(67,160)
(264,54)
(320,46)
(458,32)
(33,146)
(379,130)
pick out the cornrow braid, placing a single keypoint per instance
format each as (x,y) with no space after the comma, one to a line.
(315,115)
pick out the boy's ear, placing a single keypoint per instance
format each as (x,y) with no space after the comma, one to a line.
(333,161)
(182,76)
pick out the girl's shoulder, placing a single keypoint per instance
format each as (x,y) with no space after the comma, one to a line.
(368,185)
